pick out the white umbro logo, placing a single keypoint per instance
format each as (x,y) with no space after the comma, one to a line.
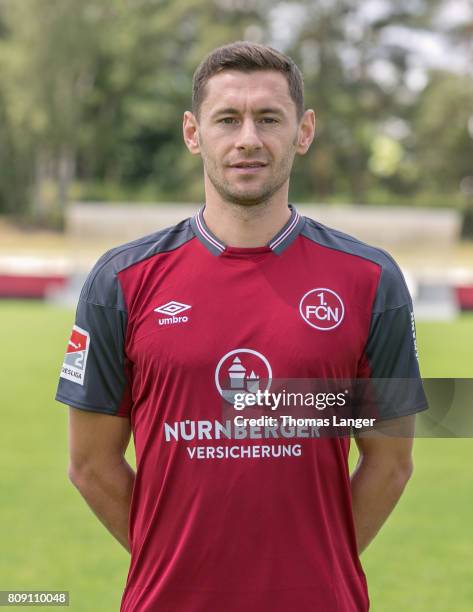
(172,309)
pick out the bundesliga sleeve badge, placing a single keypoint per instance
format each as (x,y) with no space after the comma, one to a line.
(75,360)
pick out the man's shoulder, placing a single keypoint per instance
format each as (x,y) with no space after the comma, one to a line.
(340,241)
(392,290)
(101,286)
(120,257)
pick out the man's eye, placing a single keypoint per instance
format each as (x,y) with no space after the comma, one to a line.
(227,120)
(269,120)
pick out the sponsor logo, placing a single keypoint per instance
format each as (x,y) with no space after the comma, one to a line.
(242,371)
(172,309)
(75,360)
(322,309)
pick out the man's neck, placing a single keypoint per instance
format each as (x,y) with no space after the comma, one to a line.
(246,226)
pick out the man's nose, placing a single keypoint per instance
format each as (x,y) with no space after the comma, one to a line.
(248,137)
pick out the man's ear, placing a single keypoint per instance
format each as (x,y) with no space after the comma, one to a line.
(305,132)
(190,131)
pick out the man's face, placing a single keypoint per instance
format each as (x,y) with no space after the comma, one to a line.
(248,135)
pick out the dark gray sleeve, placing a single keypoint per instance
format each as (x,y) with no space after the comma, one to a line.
(95,372)
(391,350)
(391,347)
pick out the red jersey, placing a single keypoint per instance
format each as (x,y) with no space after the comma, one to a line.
(171,327)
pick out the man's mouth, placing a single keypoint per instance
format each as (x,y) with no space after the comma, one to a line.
(249,164)
(248,167)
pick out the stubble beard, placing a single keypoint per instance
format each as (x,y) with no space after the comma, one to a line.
(251,197)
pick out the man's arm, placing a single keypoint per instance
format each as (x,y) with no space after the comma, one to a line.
(98,468)
(383,469)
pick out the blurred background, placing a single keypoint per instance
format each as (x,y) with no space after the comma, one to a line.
(91,154)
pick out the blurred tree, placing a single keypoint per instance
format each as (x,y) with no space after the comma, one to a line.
(443,141)
(13,158)
(47,69)
(357,69)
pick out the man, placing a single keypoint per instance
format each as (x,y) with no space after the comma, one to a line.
(172,327)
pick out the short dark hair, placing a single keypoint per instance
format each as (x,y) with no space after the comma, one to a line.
(247,57)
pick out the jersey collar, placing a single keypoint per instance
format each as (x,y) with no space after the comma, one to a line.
(277,244)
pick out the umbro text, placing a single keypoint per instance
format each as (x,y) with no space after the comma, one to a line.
(172,320)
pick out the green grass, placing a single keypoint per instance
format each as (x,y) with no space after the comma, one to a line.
(50,539)
(420,562)
(446,349)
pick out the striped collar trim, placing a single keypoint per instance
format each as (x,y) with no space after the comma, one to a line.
(209,240)
(277,244)
(288,233)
